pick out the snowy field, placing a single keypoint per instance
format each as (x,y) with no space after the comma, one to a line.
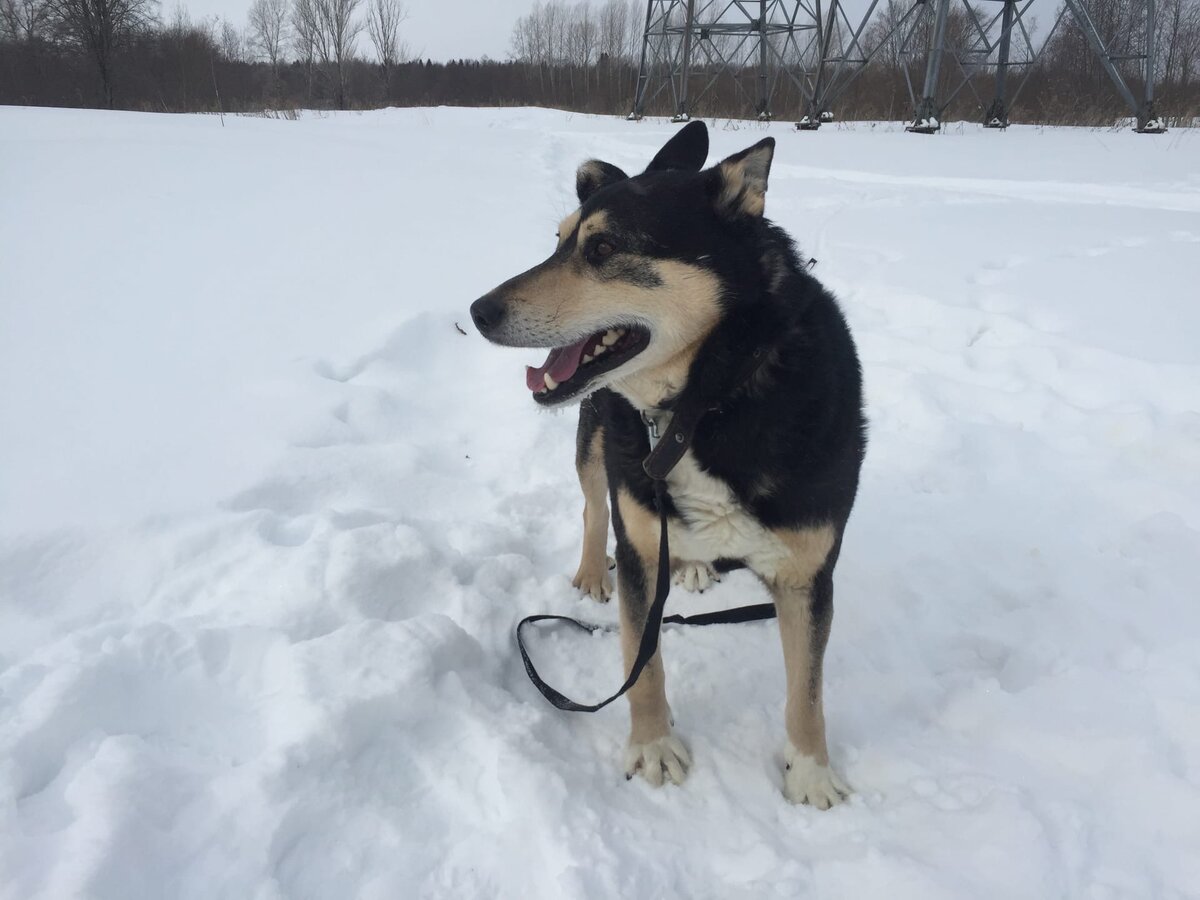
(267,520)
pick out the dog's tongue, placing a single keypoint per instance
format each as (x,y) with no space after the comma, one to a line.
(562,363)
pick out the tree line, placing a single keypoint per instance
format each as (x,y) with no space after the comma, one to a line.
(354,54)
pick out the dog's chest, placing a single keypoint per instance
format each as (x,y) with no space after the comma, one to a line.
(715,525)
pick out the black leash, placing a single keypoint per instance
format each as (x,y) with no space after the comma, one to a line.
(654,623)
(664,455)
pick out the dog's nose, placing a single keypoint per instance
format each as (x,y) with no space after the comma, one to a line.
(486,313)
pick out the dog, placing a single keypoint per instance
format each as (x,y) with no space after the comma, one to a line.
(666,286)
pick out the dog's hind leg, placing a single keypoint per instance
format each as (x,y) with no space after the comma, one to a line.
(654,752)
(803,594)
(592,578)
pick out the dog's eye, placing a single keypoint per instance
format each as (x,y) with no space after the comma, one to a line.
(601,250)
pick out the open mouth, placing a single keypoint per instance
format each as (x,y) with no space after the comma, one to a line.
(568,370)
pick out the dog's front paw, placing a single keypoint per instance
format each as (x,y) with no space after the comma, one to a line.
(662,757)
(594,581)
(696,576)
(807,781)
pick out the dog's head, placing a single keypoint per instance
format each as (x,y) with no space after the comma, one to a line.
(633,286)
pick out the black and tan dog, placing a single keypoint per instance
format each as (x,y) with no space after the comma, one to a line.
(661,287)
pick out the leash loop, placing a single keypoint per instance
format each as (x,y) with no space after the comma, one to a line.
(666,450)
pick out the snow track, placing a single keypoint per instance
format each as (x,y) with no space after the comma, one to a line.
(267,521)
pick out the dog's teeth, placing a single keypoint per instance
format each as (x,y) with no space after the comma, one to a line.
(587,357)
(610,338)
(551,384)
(600,348)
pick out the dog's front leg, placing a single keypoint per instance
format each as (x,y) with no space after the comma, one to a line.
(592,577)
(654,752)
(803,594)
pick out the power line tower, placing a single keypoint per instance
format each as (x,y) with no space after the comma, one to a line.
(811,50)
(1001,42)
(690,47)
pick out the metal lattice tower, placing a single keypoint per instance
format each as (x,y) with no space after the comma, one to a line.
(689,45)
(1002,43)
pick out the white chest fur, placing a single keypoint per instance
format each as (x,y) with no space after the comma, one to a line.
(715,525)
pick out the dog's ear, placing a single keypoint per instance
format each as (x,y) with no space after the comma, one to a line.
(593,175)
(739,183)
(686,150)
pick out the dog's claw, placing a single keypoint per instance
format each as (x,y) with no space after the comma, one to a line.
(664,758)
(807,781)
(594,582)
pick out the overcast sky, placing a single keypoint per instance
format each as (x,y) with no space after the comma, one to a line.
(438,29)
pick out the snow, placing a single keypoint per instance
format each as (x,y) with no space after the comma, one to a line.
(267,521)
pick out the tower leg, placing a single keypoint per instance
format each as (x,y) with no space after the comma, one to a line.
(997,114)
(764,101)
(817,113)
(1147,121)
(925,117)
(681,113)
(639,95)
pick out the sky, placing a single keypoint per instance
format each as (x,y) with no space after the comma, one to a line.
(437,29)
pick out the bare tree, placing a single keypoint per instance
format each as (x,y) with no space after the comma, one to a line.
(306,31)
(99,28)
(1188,57)
(581,36)
(232,42)
(268,30)
(614,25)
(23,21)
(383,27)
(1179,32)
(337,31)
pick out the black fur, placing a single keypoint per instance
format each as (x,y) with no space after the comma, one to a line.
(589,423)
(686,150)
(790,443)
(594,175)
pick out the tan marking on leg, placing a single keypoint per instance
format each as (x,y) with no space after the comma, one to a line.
(808,777)
(592,577)
(648,708)
(791,589)
(653,752)
(805,713)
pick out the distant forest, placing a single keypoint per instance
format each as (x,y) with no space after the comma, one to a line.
(355,54)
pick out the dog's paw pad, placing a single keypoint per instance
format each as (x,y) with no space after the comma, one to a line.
(595,582)
(807,781)
(696,576)
(663,758)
